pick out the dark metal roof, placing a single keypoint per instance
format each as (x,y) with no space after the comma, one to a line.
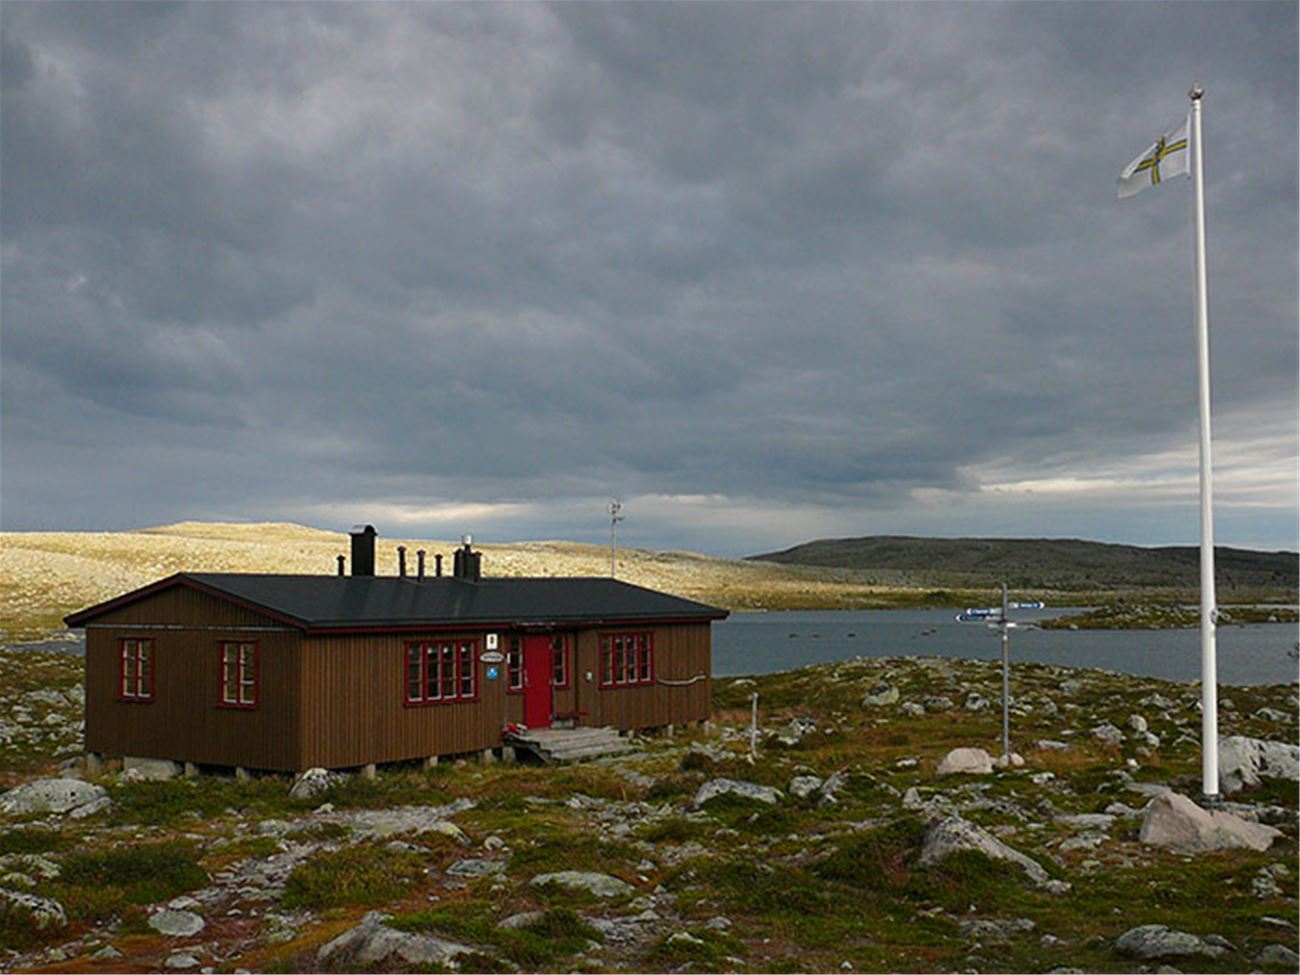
(364,602)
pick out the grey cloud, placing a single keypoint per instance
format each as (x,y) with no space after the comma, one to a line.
(816,257)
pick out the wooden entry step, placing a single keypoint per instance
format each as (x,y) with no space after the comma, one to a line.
(553,745)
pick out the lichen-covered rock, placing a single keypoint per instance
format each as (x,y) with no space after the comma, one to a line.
(46,914)
(953,834)
(71,796)
(313,782)
(177,924)
(879,695)
(736,787)
(802,786)
(598,884)
(971,761)
(373,943)
(1108,734)
(1151,941)
(1174,821)
(1245,761)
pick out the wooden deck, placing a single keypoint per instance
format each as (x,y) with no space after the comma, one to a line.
(554,745)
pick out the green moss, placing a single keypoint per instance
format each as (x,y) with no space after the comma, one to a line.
(559,933)
(33,839)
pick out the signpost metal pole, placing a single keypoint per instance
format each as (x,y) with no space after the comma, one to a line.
(1006,682)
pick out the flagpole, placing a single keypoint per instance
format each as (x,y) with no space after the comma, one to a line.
(1209,613)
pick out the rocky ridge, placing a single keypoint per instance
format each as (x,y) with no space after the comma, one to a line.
(850,839)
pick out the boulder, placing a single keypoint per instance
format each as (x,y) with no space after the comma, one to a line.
(736,787)
(1108,734)
(1174,821)
(59,796)
(802,786)
(1276,955)
(475,868)
(177,924)
(46,914)
(150,769)
(933,705)
(953,834)
(1151,941)
(1245,761)
(599,884)
(976,702)
(372,944)
(313,782)
(878,695)
(973,761)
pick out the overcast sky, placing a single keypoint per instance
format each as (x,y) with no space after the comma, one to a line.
(764,272)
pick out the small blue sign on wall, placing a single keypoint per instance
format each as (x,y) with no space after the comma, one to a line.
(492,673)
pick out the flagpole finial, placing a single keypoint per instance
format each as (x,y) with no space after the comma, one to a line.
(1196,92)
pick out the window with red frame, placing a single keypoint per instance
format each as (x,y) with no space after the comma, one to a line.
(239,675)
(559,661)
(626,659)
(135,670)
(515,666)
(439,673)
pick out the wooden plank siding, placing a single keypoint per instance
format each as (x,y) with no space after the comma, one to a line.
(185,721)
(355,710)
(681,652)
(339,701)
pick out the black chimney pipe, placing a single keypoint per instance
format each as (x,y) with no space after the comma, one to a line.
(342,560)
(363,550)
(401,561)
(419,564)
(437,564)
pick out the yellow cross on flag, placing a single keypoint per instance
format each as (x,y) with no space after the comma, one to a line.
(1166,157)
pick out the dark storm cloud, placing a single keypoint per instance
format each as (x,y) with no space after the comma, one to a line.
(816,264)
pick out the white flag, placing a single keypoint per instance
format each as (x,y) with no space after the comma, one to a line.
(1166,157)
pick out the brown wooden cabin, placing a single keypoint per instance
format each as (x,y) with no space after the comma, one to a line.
(289,672)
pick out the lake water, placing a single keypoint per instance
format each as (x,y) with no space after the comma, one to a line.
(762,643)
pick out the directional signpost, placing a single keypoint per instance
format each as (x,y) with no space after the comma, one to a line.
(995,617)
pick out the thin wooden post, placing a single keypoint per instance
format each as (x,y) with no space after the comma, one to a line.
(753,725)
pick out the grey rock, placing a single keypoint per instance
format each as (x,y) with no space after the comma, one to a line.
(475,868)
(1137,724)
(1070,687)
(1245,761)
(53,796)
(1152,941)
(1273,714)
(1278,955)
(522,920)
(46,913)
(912,709)
(976,702)
(879,695)
(181,961)
(151,769)
(1176,822)
(1101,821)
(372,943)
(802,786)
(177,924)
(598,884)
(938,703)
(832,786)
(746,790)
(1051,745)
(1108,734)
(107,953)
(971,761)
(313,782)
(948,836)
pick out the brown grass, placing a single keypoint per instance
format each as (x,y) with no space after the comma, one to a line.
(46,575)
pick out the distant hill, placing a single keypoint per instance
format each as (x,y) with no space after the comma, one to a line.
(1044,562)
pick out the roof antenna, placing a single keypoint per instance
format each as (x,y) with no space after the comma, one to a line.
(614,518)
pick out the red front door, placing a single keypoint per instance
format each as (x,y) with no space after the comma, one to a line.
(537,680)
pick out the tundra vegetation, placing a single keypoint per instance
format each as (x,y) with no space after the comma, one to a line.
(46,575)
(810,855)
